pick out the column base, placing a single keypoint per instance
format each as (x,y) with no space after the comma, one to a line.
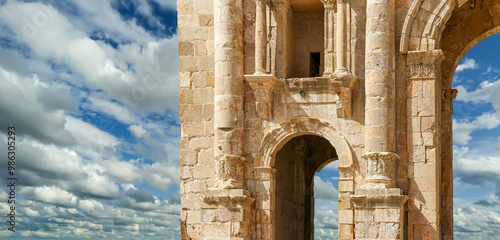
(379,213)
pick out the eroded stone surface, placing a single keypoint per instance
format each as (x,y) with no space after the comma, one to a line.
(258,119)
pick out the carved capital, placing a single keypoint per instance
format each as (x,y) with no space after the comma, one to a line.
(424,64)
(230,171)
(380,169)
(263,89)
(329,4)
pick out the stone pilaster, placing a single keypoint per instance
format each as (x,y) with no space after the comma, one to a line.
(447,163)
(260,37)
(329,17)
(424,142)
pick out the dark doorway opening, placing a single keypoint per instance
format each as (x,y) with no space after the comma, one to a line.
(314,64)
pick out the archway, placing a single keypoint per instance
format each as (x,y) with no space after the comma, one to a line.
(467,26)
(296,164)
(268,181)
(453,27)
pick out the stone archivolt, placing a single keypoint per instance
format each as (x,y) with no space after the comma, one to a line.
(260,76)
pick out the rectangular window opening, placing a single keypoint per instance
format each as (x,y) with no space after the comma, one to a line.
(314,64)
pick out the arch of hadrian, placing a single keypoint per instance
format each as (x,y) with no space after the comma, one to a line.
(273,90)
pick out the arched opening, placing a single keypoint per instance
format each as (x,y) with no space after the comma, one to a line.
(326,197)
(296,164)
(469,188)
(476,127)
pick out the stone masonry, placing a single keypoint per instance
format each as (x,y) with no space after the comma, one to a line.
(274,90)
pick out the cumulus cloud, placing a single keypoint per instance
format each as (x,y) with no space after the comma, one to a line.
(463,128)
(467,64)
(324,189)
(66,65)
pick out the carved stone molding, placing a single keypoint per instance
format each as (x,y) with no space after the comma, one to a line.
(379,198)
(230,171)
(263,88)
(229,197)
(380,169)
(424,64)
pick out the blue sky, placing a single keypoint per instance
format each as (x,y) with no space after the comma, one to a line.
(92,88)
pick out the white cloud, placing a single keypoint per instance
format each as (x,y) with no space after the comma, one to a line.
(45,100)
(324,189)
(138,131)
(71,170)
(122,171)
(466,64)
(90,136)
(463,128)
(50,194)
(161,176)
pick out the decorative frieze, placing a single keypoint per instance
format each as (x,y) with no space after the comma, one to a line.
(423,64)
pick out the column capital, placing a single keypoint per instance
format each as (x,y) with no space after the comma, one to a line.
(380,169)
(423,64)
(230,171)
(329,4)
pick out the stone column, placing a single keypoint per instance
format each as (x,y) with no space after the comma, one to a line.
(226,207)
(379,211)
(229,90)
(380,76)
(281,8)
(260,37)
(341,38)
(329,36)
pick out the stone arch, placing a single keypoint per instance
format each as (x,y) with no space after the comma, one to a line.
(424,23)
(265,177)
(275,139)
(452,27)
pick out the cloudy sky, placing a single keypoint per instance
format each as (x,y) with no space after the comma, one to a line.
(92,89)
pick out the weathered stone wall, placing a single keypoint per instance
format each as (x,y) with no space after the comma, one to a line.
(308,39)
(384,98)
